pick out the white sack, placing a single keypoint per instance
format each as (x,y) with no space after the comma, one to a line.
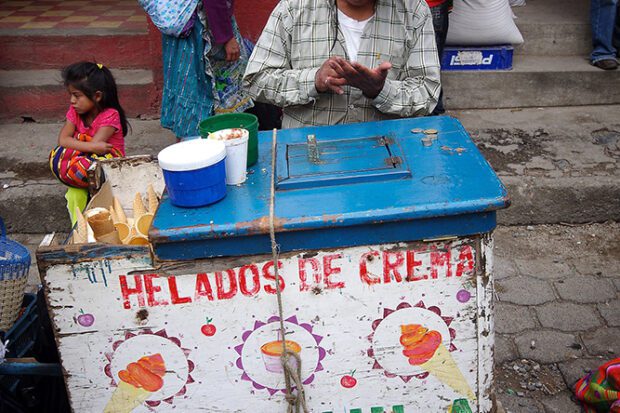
(482,23)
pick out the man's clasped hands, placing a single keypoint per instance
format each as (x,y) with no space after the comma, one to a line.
(336,72)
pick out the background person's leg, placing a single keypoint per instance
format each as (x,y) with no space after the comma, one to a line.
(616,39)
(602,19)
(440,24)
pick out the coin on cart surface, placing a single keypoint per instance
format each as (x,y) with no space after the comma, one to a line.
(417,130)
(427,141)
(430,131)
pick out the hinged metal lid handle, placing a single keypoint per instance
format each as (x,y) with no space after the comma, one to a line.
(313,149)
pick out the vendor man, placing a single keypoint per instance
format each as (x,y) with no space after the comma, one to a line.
(344,61)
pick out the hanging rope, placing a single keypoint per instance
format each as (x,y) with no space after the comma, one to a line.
(296,402)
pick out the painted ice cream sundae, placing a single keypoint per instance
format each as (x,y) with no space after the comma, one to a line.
(272,353)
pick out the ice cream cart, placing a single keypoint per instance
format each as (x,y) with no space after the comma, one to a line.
(385,263)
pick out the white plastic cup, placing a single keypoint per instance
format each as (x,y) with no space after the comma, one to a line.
(236,141)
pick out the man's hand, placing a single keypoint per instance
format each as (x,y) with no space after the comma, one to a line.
(326,79)
(369,81)
(232,50)
(100,148)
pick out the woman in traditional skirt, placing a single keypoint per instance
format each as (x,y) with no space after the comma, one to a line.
(204,58)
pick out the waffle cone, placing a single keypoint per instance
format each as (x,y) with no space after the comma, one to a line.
(113,215)
(110,238)
(101,223)
(130,234)
(120,212)
(123,230)
(444,368)
(126,398)
(137,240)
(152,198)
(80,233)
(143,223)
(138,206)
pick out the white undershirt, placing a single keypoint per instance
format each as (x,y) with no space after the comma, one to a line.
(352,30)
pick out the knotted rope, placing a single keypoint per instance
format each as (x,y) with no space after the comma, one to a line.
(296,402)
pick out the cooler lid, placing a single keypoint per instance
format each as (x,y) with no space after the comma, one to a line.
(313,164)
(343,185)
(192,154)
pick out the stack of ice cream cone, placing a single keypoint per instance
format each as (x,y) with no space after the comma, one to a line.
(82,233)
(113,226)
(100,221)
(134,231)
(119,219)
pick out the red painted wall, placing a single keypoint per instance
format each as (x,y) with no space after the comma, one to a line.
(252,16)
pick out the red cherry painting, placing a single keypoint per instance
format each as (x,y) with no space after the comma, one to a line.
(208,329)
(85,320)
(348,381)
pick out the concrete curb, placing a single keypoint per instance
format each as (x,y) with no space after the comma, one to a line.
(561,200)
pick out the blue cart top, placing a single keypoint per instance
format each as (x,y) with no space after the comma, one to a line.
(344,185)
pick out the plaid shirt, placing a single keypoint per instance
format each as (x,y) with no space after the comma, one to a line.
(298,38)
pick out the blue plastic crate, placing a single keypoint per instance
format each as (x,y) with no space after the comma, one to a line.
(477,58)
(23,335)
(32,386)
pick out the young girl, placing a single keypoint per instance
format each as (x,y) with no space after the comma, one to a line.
(95,127)
(96,124)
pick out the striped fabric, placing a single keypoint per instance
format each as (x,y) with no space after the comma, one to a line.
(599,391)
(187,96)
(71,166)
(298,38)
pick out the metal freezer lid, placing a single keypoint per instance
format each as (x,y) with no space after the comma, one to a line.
(365,183)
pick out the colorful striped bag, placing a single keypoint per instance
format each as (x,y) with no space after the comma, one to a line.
(599,391)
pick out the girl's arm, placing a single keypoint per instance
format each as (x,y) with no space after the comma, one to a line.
(99,144)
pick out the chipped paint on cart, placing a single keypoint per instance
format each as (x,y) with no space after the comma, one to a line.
(346,309)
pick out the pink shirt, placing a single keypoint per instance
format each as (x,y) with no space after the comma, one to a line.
(109,117)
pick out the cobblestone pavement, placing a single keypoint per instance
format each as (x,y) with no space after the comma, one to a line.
(557,310)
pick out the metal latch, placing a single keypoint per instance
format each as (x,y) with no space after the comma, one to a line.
(394,161)
(313,149)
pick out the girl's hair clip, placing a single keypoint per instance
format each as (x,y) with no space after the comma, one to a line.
(99,65)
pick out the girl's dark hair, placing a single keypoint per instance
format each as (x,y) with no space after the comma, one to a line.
(89,78)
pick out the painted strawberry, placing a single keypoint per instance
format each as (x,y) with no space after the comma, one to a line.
(348,381)
(85,320)
(208,329)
